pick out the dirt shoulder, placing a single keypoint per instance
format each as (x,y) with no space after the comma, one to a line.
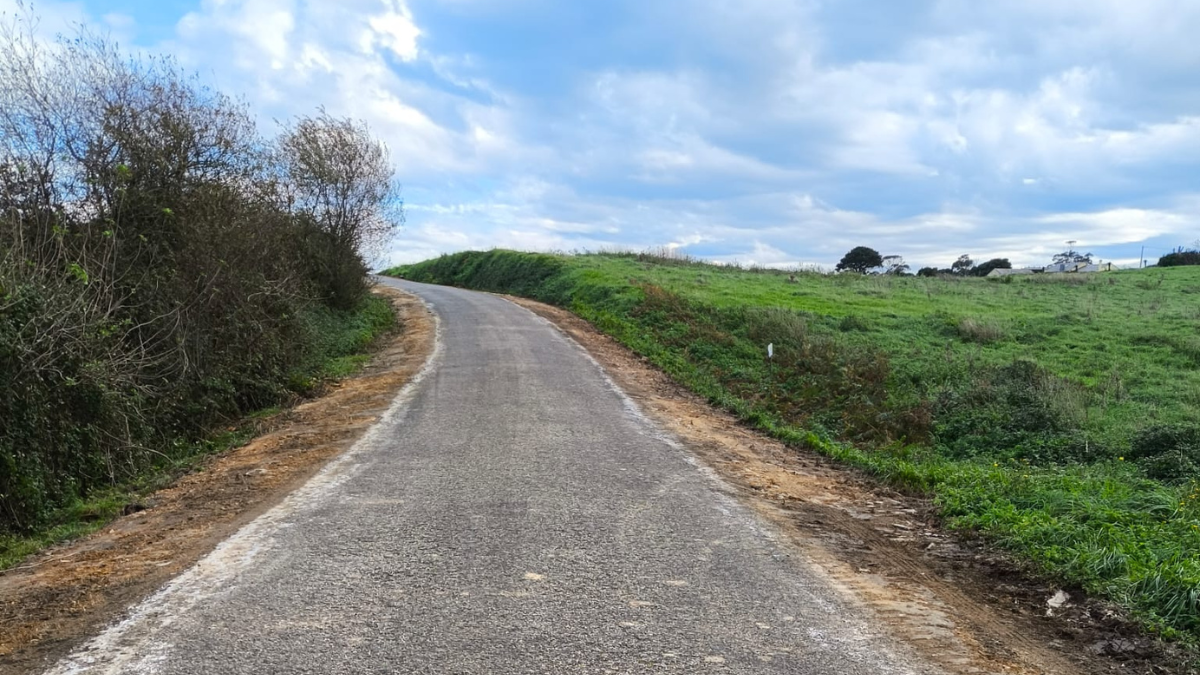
(965,607)
(54,600)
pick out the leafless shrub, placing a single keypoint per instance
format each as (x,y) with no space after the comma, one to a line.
(339,181)
(341,177)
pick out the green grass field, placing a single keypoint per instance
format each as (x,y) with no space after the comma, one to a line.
(1129,340)
(1056,415)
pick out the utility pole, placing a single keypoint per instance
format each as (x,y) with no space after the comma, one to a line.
(1142,261)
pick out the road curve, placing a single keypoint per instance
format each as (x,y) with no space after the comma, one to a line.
(513,513)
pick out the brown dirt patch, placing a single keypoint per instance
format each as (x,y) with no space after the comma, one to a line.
(965,607)
(54,600)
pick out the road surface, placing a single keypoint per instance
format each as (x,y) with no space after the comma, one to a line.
(513,513)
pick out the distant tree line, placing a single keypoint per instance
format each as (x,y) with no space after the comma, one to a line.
(964,266)
(161,262)
(866,260)
(1181,257)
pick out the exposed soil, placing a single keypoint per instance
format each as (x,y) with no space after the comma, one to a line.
(54,600)
(964,606)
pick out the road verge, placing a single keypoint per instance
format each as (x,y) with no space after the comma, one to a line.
(54,600)
(961,604)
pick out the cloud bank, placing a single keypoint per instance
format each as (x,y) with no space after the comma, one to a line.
(760,131)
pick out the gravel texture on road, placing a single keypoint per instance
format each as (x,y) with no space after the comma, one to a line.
(512,513)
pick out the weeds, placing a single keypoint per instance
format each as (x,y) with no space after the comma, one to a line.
(852,323)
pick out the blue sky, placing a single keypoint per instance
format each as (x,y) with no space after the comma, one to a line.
(771,132)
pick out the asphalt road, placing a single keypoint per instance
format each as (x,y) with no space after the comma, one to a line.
(513,513)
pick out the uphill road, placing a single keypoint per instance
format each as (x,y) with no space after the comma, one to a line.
(513,512)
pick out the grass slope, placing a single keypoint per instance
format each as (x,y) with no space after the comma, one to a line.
(1056,415)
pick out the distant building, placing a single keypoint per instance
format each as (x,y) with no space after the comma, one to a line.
(1058,268)
(1063,268)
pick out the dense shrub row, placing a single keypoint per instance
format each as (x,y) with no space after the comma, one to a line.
(1179,259)
(162,266)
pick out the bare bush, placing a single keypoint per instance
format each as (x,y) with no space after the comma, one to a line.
(339,180)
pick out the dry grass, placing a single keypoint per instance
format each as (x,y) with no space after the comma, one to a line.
(982,332)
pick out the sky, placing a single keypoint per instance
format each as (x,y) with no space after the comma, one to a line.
(766,132)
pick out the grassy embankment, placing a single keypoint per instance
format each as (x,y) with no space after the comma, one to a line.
(336,346)
(1056,415)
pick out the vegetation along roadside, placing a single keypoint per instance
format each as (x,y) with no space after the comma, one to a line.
(165,270)
(1054,414)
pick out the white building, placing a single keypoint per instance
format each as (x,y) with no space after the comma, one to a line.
(1059,268)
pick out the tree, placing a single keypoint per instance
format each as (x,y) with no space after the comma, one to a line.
(860,259)
(338,180)
(1071,256)
(927,272)
(894,265)
(984,269)
(1179,258)
(963,265)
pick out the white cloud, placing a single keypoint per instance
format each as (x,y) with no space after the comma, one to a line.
(395,30)
(766,131)
(313,58)
(1115,226)
(261,30)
